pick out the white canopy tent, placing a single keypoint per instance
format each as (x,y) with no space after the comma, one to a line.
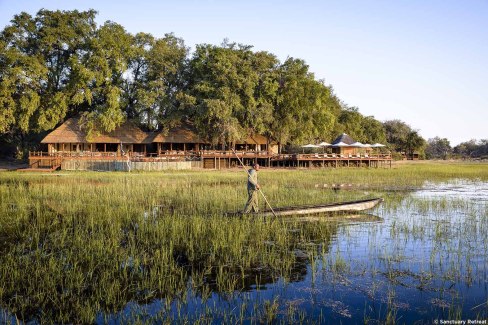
(324,144)
(310,146)
(357,144)
(340,144)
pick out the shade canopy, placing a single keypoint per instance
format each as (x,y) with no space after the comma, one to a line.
(377,145)
(324,144)
(311,146)
(340,144)
(357,144)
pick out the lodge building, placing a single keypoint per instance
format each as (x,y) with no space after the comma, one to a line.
(128,147)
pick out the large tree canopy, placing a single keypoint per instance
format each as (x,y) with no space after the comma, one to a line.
(232,89)
(301,106)
(154,80)
(402,137)
(438,148)
(60,64)
(472,149)
(38,59)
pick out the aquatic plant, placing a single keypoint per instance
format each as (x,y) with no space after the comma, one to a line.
(80,247)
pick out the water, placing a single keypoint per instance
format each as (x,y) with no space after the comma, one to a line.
(426,261)
(457,189)
(421,258)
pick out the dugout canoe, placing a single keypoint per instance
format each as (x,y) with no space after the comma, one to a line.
(350,206)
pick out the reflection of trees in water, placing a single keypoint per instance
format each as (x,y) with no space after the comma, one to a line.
(257,277)
(295,254)
(77,283)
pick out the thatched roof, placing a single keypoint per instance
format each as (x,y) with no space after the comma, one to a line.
(179,134)
(256,139)
(343,138)
(71,132)
(188,134)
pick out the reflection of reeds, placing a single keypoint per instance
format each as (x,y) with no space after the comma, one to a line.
(74,245)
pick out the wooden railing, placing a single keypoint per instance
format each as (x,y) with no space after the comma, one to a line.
(233,153)
(89,154)
(49,162)
(208,153)
(342,156)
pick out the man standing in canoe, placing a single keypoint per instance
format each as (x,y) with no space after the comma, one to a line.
(252,190)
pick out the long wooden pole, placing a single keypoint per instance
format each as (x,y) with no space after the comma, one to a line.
(247,172)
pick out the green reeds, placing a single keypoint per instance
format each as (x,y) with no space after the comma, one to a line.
(73,245)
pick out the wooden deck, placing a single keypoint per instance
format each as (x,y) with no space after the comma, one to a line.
(331,160)
(218,159)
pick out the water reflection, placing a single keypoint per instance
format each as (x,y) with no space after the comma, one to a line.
(197,281)
(262,288)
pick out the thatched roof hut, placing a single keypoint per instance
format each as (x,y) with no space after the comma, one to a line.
(344,138)
(179,134)
(180,138)
(188,134)
(342,145)
(72,137)
(185,137)
(256,139)
(71,132)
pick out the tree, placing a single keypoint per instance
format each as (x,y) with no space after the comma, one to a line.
(413,142)
(232,90)
(60,64)
(37,58)
(301,112)
(103,70)
(351,122)
(402,138)
(396,134)
(215,88)
(365,129)
(374,132)
(154,80)
(472,149)
(265,92)
(438,148)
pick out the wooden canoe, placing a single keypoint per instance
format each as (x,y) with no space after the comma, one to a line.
(324,208)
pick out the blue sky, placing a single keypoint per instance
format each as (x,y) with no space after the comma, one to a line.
(423,62)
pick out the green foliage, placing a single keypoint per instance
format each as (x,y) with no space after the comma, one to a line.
(233,91)
(37,58)
(154,82)
(373,130)
(82,245)
(438,148)
(402,138)
(60,64)
(472,149)
(414,142)
(365,129)
(301,112)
